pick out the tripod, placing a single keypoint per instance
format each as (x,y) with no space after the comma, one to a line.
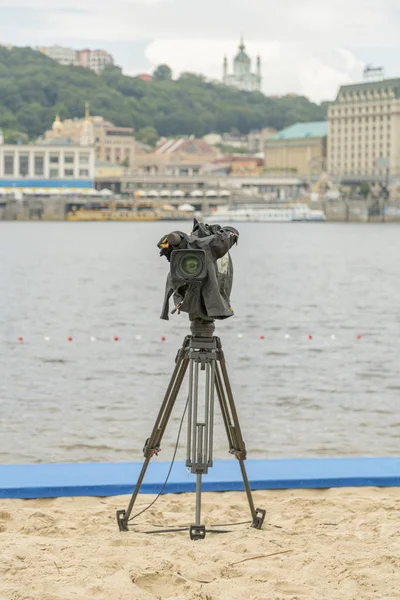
(201,351)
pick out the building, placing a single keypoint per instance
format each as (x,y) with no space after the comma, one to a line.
(185,145)
(364,132)
(213,139)
(95,60)
(256,139)
(233,140)
(61,54)
(298,150)
(145,77)
(242,76)
(52,166)
(115,145)
(183,156)
(238,164)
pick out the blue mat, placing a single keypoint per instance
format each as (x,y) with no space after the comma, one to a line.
(113,479)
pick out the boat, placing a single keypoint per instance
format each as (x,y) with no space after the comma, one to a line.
(272,214)
(123,211)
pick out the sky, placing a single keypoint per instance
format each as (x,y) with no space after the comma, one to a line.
(307,47)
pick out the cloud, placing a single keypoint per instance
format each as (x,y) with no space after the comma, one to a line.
(308,47)
(341,22)
(204,55)
(286,68)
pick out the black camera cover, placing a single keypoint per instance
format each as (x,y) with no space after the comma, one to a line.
(210,299)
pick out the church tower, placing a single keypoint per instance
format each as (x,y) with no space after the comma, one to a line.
(242,76)
(87,138)
(225,69)
(57,126)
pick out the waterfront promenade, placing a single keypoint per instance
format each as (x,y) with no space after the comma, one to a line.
(53,208)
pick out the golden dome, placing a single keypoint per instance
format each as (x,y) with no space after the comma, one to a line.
(57,122)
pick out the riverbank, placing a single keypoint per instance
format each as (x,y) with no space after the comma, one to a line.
(55,208)
(315,544)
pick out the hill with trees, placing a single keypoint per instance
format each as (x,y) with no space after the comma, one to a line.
(33,88)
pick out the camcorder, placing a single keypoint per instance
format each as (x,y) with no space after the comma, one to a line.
(201,271)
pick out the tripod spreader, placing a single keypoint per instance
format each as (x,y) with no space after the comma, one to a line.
(200,351)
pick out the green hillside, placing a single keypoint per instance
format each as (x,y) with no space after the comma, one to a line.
(33,88)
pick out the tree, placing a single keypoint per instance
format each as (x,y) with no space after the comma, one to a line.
(162,73)
(34,88)
(147,135)
(364,189)
(15,137)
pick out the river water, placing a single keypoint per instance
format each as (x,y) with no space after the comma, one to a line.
(95,398)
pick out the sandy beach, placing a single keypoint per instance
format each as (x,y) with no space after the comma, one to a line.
(316,544)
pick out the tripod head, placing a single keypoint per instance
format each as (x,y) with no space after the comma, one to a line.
(202,329)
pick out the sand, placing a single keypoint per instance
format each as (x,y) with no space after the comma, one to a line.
(315,545)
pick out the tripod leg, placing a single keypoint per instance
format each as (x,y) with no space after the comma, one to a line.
(198,499)
(224,409)
(235,439)
(200,428)
(152,445)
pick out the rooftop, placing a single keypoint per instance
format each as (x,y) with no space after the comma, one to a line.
(189,145)
(313,129)
(145,77)
(393,84)
(241,56)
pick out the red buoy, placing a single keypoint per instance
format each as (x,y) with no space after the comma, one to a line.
(310,337)
(70,339)
(116,338)
(20,339)
(163,338)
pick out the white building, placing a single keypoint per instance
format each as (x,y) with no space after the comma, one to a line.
(364,131)
(61,54)
(242,76)
(95,60)
(53,166)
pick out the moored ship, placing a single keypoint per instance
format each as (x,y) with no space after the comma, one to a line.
(124,211)
(270,214)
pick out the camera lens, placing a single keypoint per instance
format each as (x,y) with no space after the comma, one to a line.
(188,266)
(191,265)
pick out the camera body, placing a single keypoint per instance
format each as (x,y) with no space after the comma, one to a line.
(201,271)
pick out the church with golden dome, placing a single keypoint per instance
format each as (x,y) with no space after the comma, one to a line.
(242,77)
(112,144)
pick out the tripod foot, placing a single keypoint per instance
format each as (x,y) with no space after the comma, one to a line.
(122,524)
(258,519)
(197,532)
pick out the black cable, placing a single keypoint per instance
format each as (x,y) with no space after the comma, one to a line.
(169,471)
(180,527)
